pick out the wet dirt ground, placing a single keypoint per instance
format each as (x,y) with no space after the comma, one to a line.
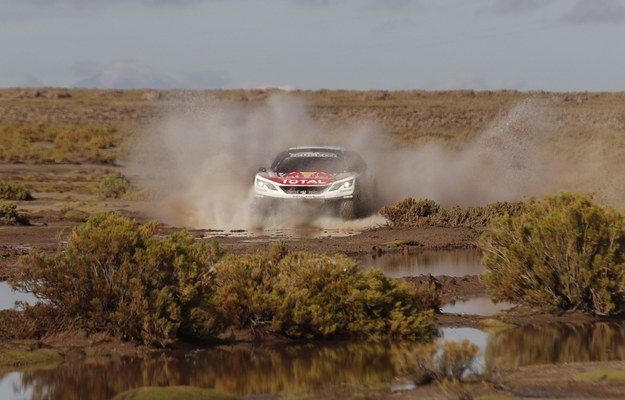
(49,229)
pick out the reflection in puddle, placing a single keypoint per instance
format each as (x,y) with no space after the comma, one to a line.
(556,343)
(288,371)
(8,297)
(475,336)
(476,306)
(286,233)
(459,262)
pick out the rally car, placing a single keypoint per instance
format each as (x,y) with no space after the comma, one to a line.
(327,175)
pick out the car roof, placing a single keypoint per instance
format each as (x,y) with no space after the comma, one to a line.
(336,148)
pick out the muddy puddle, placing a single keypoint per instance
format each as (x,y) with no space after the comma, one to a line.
(8,297)
(459,262)
(274,235)
(347,368)
(481,305)
(289,371)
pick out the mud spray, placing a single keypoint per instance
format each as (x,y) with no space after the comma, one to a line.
(201,159)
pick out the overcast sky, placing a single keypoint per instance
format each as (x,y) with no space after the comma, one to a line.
(554,45)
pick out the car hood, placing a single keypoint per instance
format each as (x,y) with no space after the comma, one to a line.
(305,178)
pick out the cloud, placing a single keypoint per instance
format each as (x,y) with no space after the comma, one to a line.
(596,11)
(514,6)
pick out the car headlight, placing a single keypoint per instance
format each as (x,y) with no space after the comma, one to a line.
(342,185)
(265,185)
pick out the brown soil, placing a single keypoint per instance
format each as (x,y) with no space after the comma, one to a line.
(409,117)
(373,242)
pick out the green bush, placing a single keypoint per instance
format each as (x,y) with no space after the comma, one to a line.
(562,253)
(410,212)
(479,216)
(76,215)
(307,295)
(14,191)
(39,143)
(116,276)
(10,216)
(114,186)
(245,288)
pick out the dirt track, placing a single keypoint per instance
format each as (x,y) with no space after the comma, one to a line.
(48,227)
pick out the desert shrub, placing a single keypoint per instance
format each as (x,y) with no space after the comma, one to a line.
(245,288)
(61,143)
(324,297)
(310,295)
(10,216)
(28,322)
(76,215)
(562,253)
(14,191)
(116,276)
(91,143)
(410,212)
(113,185)
(476,216)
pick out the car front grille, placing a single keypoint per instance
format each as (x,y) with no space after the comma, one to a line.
(303,189)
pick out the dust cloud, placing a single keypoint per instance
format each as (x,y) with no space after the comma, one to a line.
(532,149)
(200,161)
(495,166)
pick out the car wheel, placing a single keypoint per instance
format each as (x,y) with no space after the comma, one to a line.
(347,209)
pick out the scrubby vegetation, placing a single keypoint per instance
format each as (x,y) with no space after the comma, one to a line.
(13,191)
(424,212)
(305,295)
(10,216)
(113,185)
(45,143)
(119,277)
(562,253)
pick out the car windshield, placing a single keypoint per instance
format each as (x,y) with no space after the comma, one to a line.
(329,163)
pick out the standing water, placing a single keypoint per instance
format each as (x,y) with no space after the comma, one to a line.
(8,297)
(308,369)
(343,368)
(458,262)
